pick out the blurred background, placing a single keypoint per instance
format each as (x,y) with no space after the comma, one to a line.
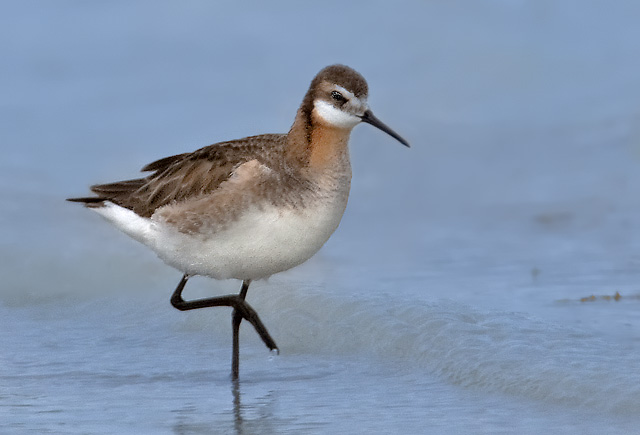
(518,198)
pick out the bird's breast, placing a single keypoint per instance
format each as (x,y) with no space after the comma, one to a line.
(265,237)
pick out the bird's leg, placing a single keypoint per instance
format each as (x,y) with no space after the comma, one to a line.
(236,319)
(241,310)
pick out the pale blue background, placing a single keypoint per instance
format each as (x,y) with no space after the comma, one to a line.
(448,301)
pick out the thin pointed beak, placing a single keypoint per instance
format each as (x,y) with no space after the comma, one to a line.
(369,118)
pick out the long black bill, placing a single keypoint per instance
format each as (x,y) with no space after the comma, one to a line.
(369,118)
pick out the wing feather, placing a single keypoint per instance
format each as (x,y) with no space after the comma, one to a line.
(182,176)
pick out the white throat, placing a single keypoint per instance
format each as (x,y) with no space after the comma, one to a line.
(333,116)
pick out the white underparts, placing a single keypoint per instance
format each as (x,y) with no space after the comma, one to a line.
(263,241)
(127,221)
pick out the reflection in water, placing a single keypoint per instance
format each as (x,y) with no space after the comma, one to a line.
(256,413)
(214,415)
(237,406)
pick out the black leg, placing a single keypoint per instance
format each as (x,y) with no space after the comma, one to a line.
(241,310)
(236,319)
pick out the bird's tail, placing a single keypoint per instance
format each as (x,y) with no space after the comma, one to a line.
(90,201)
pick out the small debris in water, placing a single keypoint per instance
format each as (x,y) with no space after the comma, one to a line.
(592,298)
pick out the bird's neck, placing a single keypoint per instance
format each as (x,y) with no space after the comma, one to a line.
(316,145)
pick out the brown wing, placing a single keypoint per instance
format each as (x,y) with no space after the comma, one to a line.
(182,176)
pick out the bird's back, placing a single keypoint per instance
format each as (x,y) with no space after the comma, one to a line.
(183,176)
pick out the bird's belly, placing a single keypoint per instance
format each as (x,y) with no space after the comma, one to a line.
(261,242)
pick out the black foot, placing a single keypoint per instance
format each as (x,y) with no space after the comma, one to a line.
(241,310)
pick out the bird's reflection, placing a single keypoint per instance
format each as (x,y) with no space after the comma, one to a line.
(238,423)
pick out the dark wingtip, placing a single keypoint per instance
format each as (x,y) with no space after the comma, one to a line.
(87,200)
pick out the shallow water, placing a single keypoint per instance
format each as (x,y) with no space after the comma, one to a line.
(450,298)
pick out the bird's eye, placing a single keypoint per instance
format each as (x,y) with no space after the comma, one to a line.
(337,96)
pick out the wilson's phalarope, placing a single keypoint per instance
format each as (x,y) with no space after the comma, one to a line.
(251,207)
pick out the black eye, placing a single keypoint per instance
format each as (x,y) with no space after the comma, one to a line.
(338,96)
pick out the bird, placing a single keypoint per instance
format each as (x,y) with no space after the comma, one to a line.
(248,208)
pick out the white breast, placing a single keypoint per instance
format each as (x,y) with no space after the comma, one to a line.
(260,241)
(263,241)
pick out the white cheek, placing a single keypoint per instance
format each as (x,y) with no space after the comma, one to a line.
(335,117)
